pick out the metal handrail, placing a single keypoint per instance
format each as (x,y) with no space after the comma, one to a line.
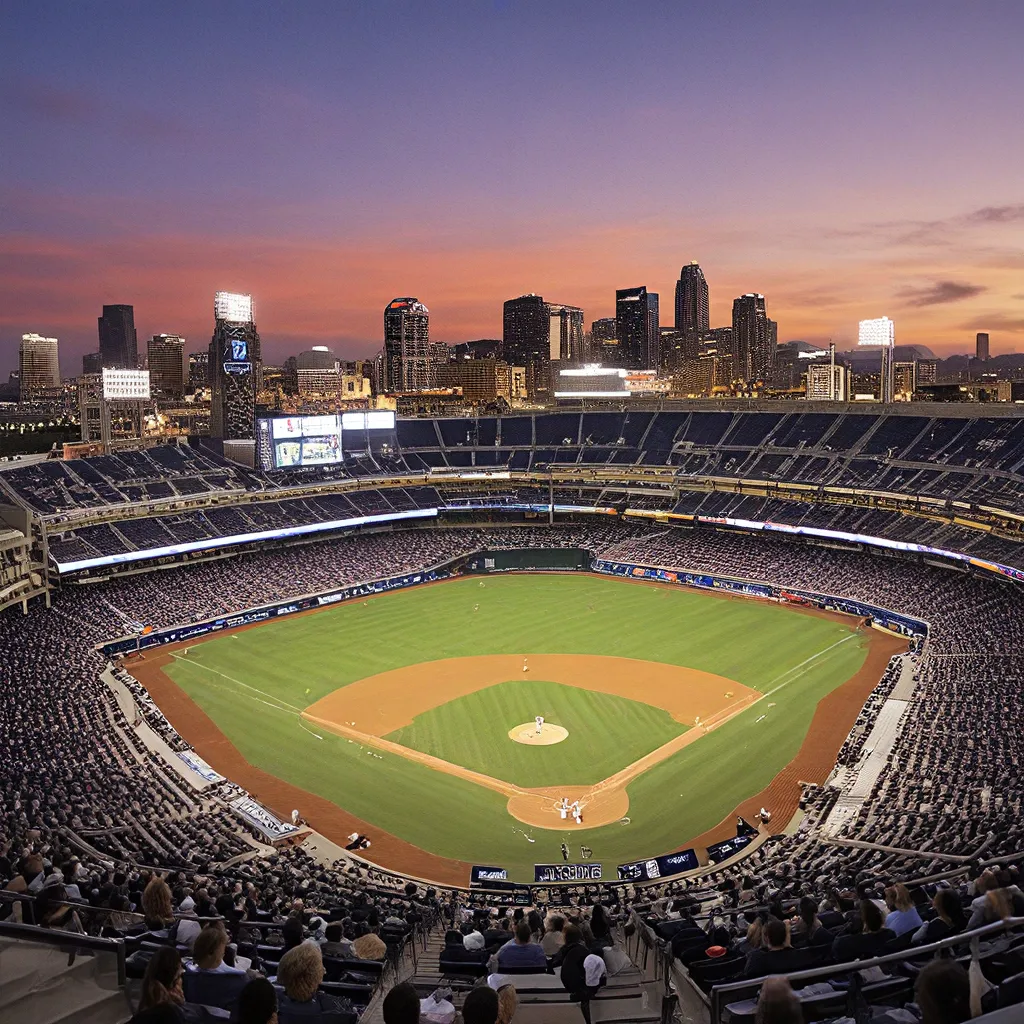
(719,993)
(55,937)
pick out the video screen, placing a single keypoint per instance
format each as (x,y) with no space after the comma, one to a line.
(289,441)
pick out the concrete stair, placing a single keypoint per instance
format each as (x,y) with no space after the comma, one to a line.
(38,985)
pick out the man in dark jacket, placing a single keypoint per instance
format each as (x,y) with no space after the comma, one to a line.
(580,979)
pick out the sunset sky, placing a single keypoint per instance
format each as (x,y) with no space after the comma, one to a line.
(847,159)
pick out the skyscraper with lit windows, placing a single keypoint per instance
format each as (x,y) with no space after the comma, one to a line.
(692,310)
(235,367)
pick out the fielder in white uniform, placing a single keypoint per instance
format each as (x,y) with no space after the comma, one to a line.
(540,723)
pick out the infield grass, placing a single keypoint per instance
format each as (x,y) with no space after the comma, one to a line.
(606,733)
(254,683)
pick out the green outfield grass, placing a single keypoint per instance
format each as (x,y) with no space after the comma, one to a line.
(606,733)
(254,683)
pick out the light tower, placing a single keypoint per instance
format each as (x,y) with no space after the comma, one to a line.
(881,334)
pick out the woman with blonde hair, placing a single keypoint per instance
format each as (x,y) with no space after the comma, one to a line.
(156,905)
(299,973)
(903,916)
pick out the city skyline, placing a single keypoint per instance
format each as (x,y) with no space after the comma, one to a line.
(525,175)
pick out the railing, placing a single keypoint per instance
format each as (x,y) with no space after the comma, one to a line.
(722,995)
(68,942)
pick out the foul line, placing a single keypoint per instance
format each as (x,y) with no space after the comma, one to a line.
(806,661)
(238,682)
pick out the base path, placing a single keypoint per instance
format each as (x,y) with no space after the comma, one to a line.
(369,709)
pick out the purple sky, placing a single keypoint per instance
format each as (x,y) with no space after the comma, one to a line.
(845,159)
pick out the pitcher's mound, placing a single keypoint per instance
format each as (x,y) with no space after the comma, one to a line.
(528,734)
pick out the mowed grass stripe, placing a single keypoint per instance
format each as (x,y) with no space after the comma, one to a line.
(606,732)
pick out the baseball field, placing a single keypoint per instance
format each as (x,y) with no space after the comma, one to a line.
(411,716)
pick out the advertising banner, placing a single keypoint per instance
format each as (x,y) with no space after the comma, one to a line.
(567,872)
(199,766)
(658,867)
(479,875)
(268,823)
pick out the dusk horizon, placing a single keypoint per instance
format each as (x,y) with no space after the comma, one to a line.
(846,163)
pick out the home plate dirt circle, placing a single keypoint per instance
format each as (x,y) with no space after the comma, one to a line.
(528,734)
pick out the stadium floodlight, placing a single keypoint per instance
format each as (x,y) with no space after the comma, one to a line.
(877,332)
(232,307)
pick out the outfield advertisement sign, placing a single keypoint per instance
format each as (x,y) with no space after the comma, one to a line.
(567,872)
(891,621)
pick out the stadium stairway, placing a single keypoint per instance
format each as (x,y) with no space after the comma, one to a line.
(38,984)
(632,996)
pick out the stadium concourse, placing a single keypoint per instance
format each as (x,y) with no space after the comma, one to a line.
(926,790)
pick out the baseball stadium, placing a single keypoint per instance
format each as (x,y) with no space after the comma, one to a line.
(670,676)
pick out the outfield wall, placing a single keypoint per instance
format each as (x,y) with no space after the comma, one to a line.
(894,622)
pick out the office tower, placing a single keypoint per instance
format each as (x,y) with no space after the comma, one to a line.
(981,347)
(235,367)
(440,354)
(881,334)
(827,382)
(565,334)
(753,338)
(406,363)
(692,309)
(92,363)
(38,366)
(904,376)
(165,357)
(317,372)
(526,341)
(926,371)
(637,328)
(604,342)
(199,370)
(119,345)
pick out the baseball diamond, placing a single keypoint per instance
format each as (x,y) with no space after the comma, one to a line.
(678,708)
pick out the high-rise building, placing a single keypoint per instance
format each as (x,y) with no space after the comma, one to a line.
(92,363)
(168,371)
(637,328)
(692,308)
(904,380)
(317,372)
(604,342)
(981,347)
(199,370)
(119,344)
(881,334)
(406,363)
(38,365)
(526,341)
(565,335)
(827,382)
(753,338)
(235,367)
(926,371)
